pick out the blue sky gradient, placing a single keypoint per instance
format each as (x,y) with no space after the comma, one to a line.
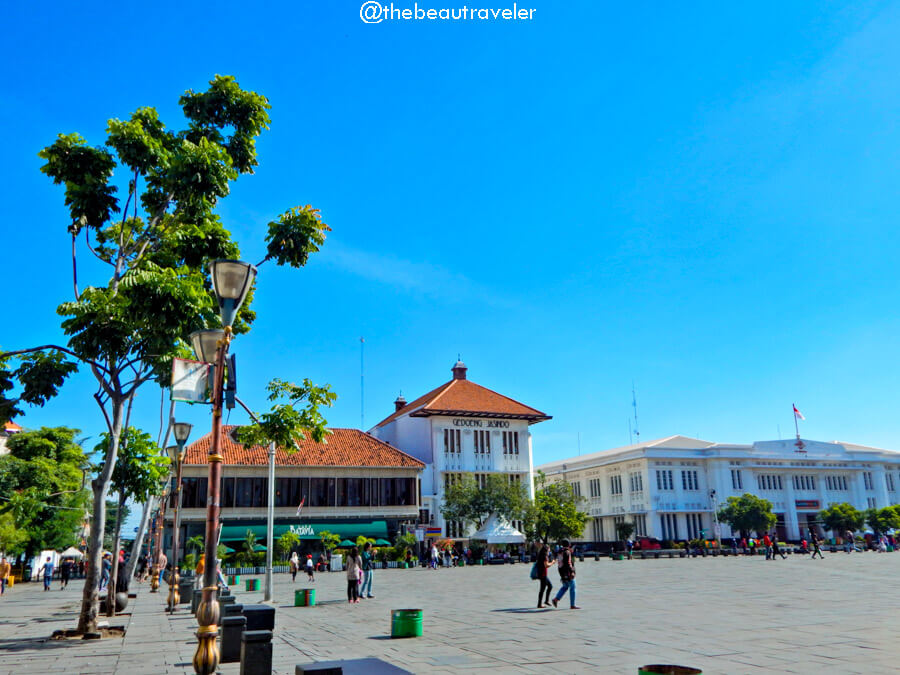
(699,198)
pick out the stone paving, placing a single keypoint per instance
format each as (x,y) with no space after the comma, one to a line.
(722,615)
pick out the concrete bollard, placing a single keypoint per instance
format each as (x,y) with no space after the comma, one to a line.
(232,630)
(233,609)
(256,652)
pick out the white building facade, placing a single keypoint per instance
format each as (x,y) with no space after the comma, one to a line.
(671,487)
(461,428)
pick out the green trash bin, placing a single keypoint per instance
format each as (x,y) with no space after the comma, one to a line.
(663,669)
(305,597)
(234,579)
(252,584)
(406,623)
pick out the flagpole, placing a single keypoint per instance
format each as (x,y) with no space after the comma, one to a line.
(796,425)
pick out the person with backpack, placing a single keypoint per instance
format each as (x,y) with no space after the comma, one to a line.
(566,565)
(541,568)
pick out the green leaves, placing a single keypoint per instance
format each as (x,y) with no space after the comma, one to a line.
(295,235)
(555,513)
(142,143)
(285,423)
(748,513)
(141,467)
(41,375)
(842,517)
(469,503)
(85,172)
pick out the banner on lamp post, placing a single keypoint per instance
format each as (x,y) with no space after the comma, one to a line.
(190,381)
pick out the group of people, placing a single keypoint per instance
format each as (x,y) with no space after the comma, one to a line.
(308,565)
(564,560)
(360,573)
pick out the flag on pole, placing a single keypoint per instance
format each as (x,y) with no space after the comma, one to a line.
(300,506)
(797,414)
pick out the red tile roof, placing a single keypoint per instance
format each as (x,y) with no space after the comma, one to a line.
(344,447)
(11,428)
(464,398)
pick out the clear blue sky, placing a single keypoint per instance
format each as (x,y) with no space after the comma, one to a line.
(698,197)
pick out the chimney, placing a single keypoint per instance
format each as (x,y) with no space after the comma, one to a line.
(399,403)
(459,371)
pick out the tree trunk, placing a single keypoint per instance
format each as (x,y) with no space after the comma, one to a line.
(114,570)
(131,565)
(90,599)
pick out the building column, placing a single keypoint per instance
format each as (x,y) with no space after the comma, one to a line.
(881,492)
(791,523)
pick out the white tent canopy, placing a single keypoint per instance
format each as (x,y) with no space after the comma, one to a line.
(72,552)
(497,530)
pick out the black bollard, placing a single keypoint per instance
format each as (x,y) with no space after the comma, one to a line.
(233,609)
(185,588)
(259,617)
(195,600)
(232,629)
(256,652)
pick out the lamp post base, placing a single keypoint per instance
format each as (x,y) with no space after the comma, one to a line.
(174,596)
(206,658)
(154,580)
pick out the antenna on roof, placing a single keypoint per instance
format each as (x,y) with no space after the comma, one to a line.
(637,433)
(362,382)
(630,433)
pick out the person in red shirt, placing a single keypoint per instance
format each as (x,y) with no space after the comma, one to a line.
(768,544)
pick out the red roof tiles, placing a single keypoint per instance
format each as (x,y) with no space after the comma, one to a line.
(344,447)
(466,399)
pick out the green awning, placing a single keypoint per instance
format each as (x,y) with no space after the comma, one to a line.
(346,530)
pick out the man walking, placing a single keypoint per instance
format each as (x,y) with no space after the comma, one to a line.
(47,571)
(5,569)
(65,572)
(814,540)
(566,563)
(768,544)
(848,541)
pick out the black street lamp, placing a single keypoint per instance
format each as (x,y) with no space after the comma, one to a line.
(181,430)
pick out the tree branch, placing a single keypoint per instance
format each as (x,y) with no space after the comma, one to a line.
(30,350)
(74,269)
(87,241)
(97,398)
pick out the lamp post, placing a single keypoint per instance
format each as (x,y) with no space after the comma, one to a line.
(270,523)
(715,514)
(158,530)
(181,430)
(231,280)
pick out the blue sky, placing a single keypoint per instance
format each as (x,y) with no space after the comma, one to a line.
(699,198)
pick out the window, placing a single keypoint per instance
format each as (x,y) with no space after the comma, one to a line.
(736,482)
(615,485)
(689,480)
(595,490)
(804,482)
(193,493)
(452,441)
(669,524)
(836,483)
(598,529)
(482,442)
(318,492)
(636,482)
(250,492)
(867,480)
(889,479)
(694,525)
(871,502)
(769,482)
(664,479)
(640,525)
(576,488)
(510,442)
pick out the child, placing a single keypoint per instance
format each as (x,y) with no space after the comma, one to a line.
(310,568)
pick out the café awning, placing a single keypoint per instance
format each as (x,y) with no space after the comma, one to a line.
(305,530)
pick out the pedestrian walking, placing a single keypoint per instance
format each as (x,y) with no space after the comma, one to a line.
(310,568)
(566,566)
(544,562)
(776,550)
(353,570)
(163,561)
(767,542)
(368,570)
(47,571)
(5,569)
(814,540)
(105,568)
(65,572)
(295,566)
(848,541)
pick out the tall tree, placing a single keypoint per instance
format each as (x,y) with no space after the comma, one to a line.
(556,512)
(42,487)
(471,504)
(883,519)
(748,513)
(156,244)
(842,517)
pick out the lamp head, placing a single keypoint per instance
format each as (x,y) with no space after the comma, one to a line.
(182,431)
(205,343)
(231,280)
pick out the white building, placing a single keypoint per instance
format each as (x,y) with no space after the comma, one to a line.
(459,428)
(669,488)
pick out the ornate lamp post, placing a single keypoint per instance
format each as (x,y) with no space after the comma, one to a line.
(231,280)
(181,430)
(158,530)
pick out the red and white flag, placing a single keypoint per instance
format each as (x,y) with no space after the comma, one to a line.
(300,506)
(797,414)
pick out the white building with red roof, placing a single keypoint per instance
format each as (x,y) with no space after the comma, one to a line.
(461,428)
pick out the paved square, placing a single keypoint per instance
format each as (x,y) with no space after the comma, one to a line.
(722,615)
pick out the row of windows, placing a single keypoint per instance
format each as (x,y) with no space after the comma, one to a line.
(737,482)
(664,480)
(689,480)
(836,482)
(640,525)
(576,488)
(867,479)
(594,485)
(452,441)
(694,525)
(253,492)
(804,482)
(636,481)
(482,442)
(510,442)
(769,481)
(615,485)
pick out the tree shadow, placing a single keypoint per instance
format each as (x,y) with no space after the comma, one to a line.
(40,643)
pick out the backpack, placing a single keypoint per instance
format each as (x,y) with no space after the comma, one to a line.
(535,575)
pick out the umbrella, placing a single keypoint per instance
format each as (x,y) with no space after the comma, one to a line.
(347,542)
(72,552)
(382,542)
(259,547)
(227,549)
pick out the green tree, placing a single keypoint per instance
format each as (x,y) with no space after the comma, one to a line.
(842,517)
(748,512)
(12,539)
(247,556)
(329,540)
(624,530)
(882,520)
(402,544)
(555,513)
(287,542)
(42,487)
(155,243)
(467,502)
(114,521)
